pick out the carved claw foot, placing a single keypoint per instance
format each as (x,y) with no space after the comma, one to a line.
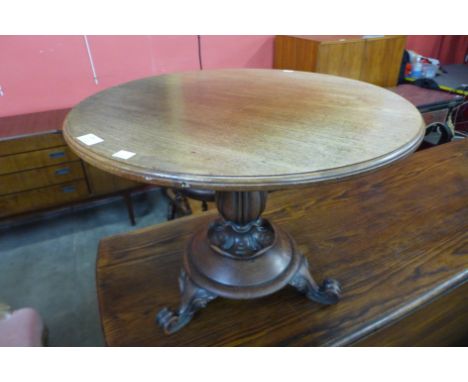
(328,293)
(193,298)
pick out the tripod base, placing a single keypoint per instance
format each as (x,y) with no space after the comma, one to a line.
(209,272)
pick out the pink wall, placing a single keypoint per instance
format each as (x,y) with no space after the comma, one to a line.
(448,49)
(425,45)
(237,51)
(50,72)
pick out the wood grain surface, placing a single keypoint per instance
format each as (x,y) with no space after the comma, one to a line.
(396,239)
(382,60)
(295,53)
(28,143)
(36,159)
(341,58)
(376,60)
(45,197)
(101,183)
(40,177)
(244,129)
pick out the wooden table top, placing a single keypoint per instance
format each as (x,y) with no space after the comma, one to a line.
(244,129)
(396,239)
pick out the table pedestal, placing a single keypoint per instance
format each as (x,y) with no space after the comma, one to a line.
(241,256)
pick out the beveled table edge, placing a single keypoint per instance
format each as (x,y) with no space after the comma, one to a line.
(237,183)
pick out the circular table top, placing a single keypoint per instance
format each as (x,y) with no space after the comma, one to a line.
(243,129)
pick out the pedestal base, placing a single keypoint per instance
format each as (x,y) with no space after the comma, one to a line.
(209,272)
(242,276)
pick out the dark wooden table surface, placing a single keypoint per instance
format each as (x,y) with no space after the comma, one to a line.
(243,129)
(397,239)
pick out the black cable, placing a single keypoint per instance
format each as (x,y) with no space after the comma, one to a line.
(200,62)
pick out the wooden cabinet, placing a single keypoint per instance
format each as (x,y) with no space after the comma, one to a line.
(42,177)
(39,171)
(35,159)
(101,183)
(343,59)
(41,198)
(31,142)
(376,60)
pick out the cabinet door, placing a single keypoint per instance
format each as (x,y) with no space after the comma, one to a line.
(341,58)
(102,183)
(382,60)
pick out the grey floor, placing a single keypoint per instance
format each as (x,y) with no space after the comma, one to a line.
(50,264)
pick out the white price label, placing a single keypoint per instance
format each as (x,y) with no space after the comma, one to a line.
(123,154)
(90,139)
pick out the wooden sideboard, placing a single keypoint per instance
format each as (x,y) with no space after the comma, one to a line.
(376,60)
(38,170)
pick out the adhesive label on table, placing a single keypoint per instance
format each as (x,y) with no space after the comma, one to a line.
(90,139)
(123,154)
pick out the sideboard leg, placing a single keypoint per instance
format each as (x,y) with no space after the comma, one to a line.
(129,204)
(328,293)
(193,298)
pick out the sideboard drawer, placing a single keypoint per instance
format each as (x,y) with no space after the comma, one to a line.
(31,143)
(42,177)
(35,159)
(42,198)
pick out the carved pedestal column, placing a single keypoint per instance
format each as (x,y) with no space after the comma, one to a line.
(241,256)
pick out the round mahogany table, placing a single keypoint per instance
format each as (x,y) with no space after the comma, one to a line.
(242,132)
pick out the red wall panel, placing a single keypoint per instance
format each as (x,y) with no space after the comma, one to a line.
(237,51)
(427,46)
(120,59)
(448,49)
(48,72)
(43,72)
